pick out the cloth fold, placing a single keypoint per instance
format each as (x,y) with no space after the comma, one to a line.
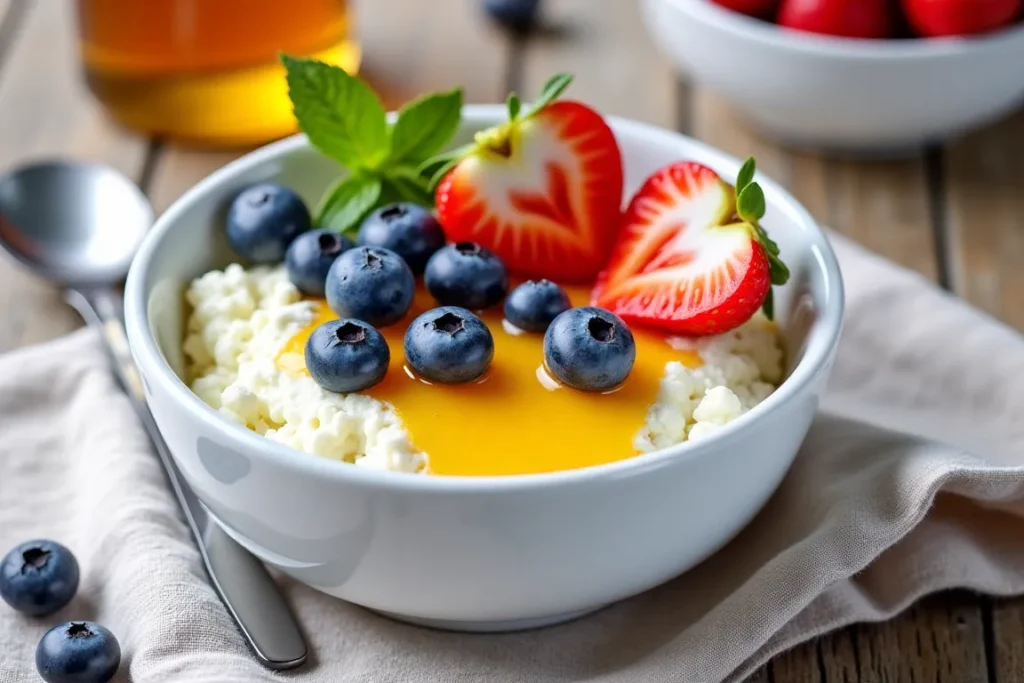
(910,481)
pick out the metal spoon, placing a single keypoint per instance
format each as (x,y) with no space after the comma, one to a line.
(79,226)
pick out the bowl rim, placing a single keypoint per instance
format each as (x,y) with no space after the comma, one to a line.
(772,35)
(820,345)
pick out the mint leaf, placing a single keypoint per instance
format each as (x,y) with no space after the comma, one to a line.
(349,201)
(407,185)
(750,203)
(339,113)
(746,175)
(424,126)
(555,86)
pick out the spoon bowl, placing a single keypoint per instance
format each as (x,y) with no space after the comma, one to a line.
(75,223)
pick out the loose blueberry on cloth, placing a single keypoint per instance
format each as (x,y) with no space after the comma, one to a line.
(910,481)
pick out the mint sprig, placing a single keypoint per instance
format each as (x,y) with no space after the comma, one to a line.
(750,205)
(345,120)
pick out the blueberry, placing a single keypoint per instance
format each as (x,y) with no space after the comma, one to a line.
(310,257)
(263,220)
(38,577)
(78,652)
(449,345)
(518,15)
(371,284)
(409,230)
(589,349)
(467,275)
(534,304)
(347,355)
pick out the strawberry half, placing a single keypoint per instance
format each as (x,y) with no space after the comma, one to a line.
(543,191)
(691,258)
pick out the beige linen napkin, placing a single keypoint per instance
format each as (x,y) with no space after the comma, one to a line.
(910,482)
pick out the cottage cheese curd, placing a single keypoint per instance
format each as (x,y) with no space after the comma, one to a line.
(241,319)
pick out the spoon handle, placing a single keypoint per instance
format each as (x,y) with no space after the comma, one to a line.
(250,594)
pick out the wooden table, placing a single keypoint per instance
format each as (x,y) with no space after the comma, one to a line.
(952,213)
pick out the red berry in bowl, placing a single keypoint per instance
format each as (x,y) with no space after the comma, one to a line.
(935,18)
(754,8)
(846,18)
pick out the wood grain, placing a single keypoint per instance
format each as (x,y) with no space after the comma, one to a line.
(985,205)
(45,111)
(604,44)
(1008,640)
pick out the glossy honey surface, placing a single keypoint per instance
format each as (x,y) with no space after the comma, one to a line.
(516,419)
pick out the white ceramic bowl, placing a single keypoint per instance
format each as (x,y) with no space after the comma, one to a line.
(845,95)
(477,553)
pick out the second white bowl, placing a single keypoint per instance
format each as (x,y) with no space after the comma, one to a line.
(871,96)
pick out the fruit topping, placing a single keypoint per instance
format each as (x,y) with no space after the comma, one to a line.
(310,256)
(37,578)
(534,304)
(347,355)
(847,18)
(467,275)
(542,190)
(263,220)
(407,229)
(78,652)
(589,349)
(371,284)
(516,15)
(754,8)
(449,345)
(960,17)
(691,256)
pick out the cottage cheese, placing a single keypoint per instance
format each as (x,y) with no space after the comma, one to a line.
(242,318)
(741,368)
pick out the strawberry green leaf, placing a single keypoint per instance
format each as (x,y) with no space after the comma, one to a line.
(437,167)
(746,175)
(514,105)
(349,201)
(750,203)
(339,113)
(555,86)
(769,305)
(777,270)
(425,126)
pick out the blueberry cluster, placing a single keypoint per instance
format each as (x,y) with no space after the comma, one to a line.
(370,283)
(39,578)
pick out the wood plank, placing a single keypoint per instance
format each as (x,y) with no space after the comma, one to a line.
(984,209)
(986,244)
(436,46)
(886,207)
(46,111)
(1008,639)
(604,44)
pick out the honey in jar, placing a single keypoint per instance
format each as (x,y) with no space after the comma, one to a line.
(207,71)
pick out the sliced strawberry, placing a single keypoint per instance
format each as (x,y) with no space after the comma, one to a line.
(685,261)
(543,191)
